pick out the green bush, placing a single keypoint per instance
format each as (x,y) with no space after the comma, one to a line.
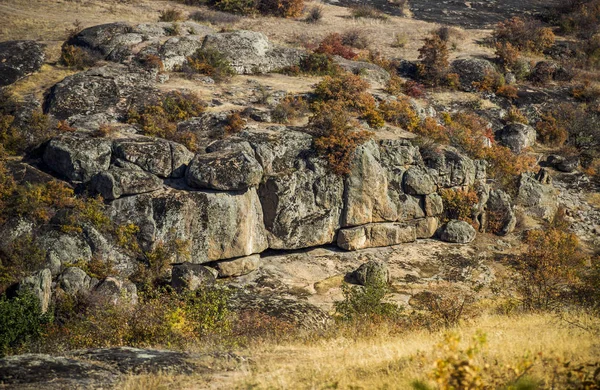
(366,303)
(210,62)
(21,321)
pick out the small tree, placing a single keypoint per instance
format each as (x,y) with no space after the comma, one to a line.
(434,60)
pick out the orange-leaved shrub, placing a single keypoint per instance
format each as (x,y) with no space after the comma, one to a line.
(434,60)
(333,44)
(459,204)
(525,35)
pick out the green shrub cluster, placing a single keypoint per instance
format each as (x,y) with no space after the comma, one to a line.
(210,62)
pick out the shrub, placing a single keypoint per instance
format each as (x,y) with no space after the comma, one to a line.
(367,11)
(152,61)
(318,64)
(281,8)
(289,108)
(430,128)
(525,35)
(546,272)
(210,62)
(76,57)
(447,306)
(243,7)
(459,204)
(346,88)
(356,38)
(234,123)
(19,259)
(214,17)
(250,326)
(586,91)
(507,55)
(332,45)
(160,118)
(400,113)
(21,321)
(508,91)
(550,132)
(336,139)
(364,304)
(515,115)
(433,56)
(315,14)
(171,15)
(491,82)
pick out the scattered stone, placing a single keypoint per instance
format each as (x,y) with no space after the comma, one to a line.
(372,272)
(237,267)
(459,232)
(188,276)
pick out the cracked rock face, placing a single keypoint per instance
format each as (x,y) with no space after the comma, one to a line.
(19,59)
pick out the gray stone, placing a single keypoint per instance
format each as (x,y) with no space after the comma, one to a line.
(471,70)
(434,205)
(373,272)
(376,75)
(459,232)
(517,137)
(155,155)
(251,52)
(40,285)
(77,157)
(225,170)
(450,168)
(190,277)
(117,291)
(375,235)
(117,182)
(501,211)
(426,227)
(417,181)
(63,249)
(538,199)
(74,281)
(19,59)
(174,52)
(101,38)
(237,267)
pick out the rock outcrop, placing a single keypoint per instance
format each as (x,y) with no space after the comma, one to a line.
(472,70)
(19,59)
(459,232)
(517,137)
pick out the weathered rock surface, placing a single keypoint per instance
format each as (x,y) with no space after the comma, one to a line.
(117,291)
(19,59)
(375,235)
(63,249)
(376,75)
(417,181)
(224,170)
(40,285)
(188,276)
(372,272)
(251,52)
(517,137)
(426,227)
(500,208)
(459,232)
(117,182)
(74,281)
(77,157)
(155,155)
(237,267)
(539,200)
(109,90)
(452,169)
(471,70)
(218,225)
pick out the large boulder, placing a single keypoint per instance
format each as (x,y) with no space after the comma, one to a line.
(500,212)
(301,207)
(78,157)
(517,137)
(155,155)
(375,235)
(75,281)
(372,272)
(174,51)
(251,52)
(224,170)
(459,232)
(63,249)
(237,267)
(189,277)
(102,38)
(539,199)
(471,70)
(450,168)
(19,59)
(40,285)
(217,225)
(108,90)
(375,74)
(118,181)
(117,291)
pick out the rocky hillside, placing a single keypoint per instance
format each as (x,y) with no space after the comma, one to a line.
(175,156)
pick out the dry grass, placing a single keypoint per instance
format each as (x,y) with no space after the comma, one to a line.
(393,362)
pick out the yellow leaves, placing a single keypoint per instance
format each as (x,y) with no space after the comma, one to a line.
(400,113)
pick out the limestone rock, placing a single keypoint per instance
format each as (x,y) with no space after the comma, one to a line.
(174,51)
(450,168)
(375,235)
(238,267)
(501,210)
(117,291)
(102,38)
(74,281)
(155,155)
(217,225)
(517,136)
(471,70)
(372,272)
(188,276)
(538,199)
(77,157)
(417,181)
(63,249)
(39,284)
(19,59)
(426,227)
(117,181)
(376,75)
(226,170)
(251,52)
(301,208)
(434,205)
(459,232)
